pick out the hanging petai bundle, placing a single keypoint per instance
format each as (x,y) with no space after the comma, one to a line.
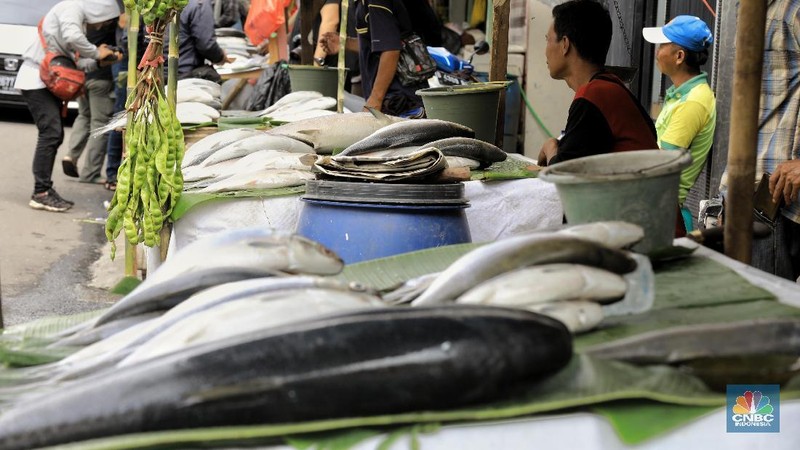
(149,180)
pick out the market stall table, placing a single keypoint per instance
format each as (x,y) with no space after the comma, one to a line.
(497,209)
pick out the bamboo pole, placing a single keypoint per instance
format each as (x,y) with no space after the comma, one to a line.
(172,98)
(743,138)
(343,8)
(133,50)
(499,60)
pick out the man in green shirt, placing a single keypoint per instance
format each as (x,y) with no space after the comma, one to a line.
(689,115)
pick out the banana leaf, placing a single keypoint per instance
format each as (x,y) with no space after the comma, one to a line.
(510,169)
(189,200)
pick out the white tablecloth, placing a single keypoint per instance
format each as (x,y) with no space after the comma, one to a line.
(497,209)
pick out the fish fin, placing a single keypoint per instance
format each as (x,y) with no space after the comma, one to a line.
(383,118)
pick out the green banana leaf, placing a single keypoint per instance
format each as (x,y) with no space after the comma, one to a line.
(509,169)
(189,200)
(584,382)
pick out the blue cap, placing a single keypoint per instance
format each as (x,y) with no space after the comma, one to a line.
(689,32)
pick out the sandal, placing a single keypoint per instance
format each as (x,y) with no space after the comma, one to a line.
(69,167)
(111,186)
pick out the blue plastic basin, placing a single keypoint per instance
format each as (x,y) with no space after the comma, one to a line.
(363,231)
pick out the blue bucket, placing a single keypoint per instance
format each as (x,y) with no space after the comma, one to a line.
(363,231)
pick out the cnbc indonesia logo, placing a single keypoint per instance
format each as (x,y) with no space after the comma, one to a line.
(753,409)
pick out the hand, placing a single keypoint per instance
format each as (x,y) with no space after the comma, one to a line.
(785,181)
(329,42)
(263,47)
(548,150)
(227,59)
(374,103)
(104,52)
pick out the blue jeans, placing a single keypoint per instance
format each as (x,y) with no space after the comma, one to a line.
(779,253)
(114,149)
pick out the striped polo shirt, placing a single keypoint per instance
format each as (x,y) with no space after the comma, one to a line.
(687,120)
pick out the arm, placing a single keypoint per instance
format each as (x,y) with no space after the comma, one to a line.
(330,43)
(329,24)
(201,27)
(587,133)
(74,37)
(387,67)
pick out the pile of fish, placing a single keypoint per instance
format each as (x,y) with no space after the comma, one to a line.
(567,274)
(255,335)
(299,105)
(284,156)
(198,101)
(410,149)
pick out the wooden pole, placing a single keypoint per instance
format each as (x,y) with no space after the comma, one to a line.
(172,98)
(133,50)
(501,10)
(343,8)
(743,139)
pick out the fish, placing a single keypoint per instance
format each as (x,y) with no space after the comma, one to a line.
(318,103)
(194,94)
(199,108)
(199,83)
(505,255)
(615,234)
(295,116)
(708,340)
(383,168)
(458,161)
(89,336)
(409,289)
(253,144)
(364,363)
(577,316)
(203,148)
(192,117)
(471,148)
(410,132)
(335,132)
(260,179)
(249,314)
(548,283)
(239,252)
(272,159)
(292,98)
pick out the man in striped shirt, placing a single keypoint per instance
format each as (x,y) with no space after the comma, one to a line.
(779,138)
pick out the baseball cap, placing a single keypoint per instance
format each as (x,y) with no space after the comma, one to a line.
(689,32)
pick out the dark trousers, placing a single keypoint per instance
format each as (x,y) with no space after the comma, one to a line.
(46,111)
(114,149)
(779,253)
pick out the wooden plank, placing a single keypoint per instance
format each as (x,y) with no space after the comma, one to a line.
(498,60)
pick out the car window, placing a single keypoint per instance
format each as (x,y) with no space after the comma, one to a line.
(24,12)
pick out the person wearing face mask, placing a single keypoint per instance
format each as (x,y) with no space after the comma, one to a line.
(63,31)
(689,114)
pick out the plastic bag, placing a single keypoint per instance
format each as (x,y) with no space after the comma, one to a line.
(264,18)
(270,87)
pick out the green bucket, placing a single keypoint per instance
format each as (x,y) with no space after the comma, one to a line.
(324,80)
(640,187)
(473,105)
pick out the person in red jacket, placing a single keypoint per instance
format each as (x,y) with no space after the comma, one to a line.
(604,116)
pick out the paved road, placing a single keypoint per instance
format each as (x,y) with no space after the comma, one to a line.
(50,263)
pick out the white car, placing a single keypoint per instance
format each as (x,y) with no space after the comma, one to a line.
(18,28)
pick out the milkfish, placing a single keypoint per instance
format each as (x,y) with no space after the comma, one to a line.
(91,335)
(256,143)
(318,103)
(365,363)
(292,98)
(615,234)
(205,147)
(199,83)
(406,133)
(248,314)
(548,283)
(262,159)
(296,116)
(199,108)
(505,255)
(249,249)
(474,149)
(578,316)
(335,132)
(263,178)
(708,340)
